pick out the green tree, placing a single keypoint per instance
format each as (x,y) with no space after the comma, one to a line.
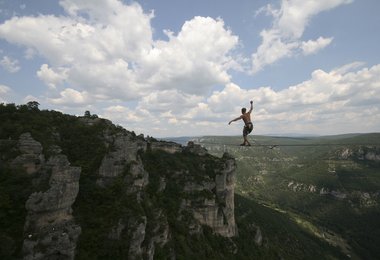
(33,105)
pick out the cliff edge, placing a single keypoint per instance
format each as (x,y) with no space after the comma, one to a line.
(135,198)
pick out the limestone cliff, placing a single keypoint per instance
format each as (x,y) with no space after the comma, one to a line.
(138,201)
(217,211)
(49,231)
(205,193)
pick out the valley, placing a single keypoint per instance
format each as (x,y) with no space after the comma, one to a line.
(329,186)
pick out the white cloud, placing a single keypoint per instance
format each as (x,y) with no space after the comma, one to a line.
(70,97)
(346,99)
(350,67)
(272,49)
(4,92)
(169,100)
(310,46)
(290,21)
(337,101)
(29,98)
(9,64)
(103,53)
(106,48)
(295,15)
(121,114)
(91,49)
(50,77)
(194,60)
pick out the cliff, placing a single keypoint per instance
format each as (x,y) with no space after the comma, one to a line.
(82,188)
(49,229)
(115,195)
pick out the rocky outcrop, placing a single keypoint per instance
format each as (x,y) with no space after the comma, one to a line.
(93,120)
(362,199)
(51,232)
(334,193)
(302,187)
(296,186)
(123,151)
(31,158)
(168,147)
(362,153)
(217,209)
(209,200)
(195,148)
(367,199)
(203,188)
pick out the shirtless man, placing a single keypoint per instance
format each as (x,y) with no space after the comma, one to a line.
(248,126)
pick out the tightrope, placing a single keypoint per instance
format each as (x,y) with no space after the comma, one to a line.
(279,145)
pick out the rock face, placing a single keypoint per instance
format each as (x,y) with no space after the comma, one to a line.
(198,187)
(168,147)
(210,200)
(31,157)
(217,211)
(363,199)
(368,153)
(296,186)
(123,150)
(50,231)
(49,223)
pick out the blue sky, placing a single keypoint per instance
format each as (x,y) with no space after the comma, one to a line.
(176,68)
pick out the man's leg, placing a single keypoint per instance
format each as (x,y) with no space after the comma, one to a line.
(246,140)
(245,134)
(249,130)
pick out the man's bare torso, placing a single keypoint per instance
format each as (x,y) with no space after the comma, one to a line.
(246,117)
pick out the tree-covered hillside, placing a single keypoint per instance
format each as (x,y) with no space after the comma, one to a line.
(329,185)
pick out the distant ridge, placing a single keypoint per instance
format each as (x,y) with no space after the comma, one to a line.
(183,140)
(365,137)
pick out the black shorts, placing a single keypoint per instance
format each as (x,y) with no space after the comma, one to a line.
(247,129)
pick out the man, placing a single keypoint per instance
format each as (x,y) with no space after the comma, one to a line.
(248,126)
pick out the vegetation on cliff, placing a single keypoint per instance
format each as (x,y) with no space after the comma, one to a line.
(150,207)
(100,209)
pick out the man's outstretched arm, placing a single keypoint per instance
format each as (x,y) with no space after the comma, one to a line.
(236,119)
(250,110)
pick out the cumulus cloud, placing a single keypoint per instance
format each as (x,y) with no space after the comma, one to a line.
(4,90)
(122,114)
(169,100)
(290,21)
(194,60)
(51,77)
(9,64)
(103,53)
(70,97)
(106,48)
(310,46)
(345,99)
(329,102)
